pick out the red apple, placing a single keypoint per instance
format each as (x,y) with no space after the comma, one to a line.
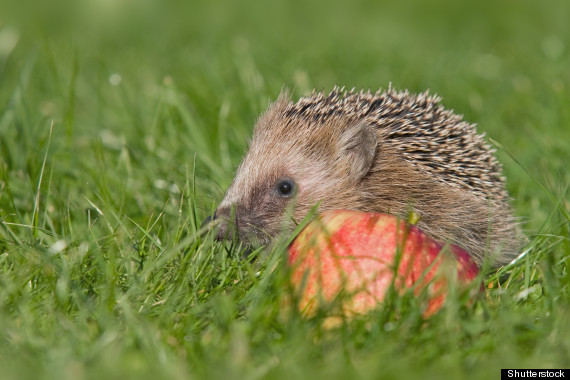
(356,252)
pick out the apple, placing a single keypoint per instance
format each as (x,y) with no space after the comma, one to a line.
(358,253)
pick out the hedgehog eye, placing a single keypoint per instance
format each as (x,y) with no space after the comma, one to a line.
(285,188)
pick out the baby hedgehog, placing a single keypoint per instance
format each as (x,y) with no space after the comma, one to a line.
(390,152)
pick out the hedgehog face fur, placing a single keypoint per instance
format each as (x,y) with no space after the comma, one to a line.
(386,152)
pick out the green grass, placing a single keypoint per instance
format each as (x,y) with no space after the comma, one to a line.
(121,124)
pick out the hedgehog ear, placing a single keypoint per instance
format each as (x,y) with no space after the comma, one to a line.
(358,148)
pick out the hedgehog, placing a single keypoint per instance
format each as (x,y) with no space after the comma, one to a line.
(389,152)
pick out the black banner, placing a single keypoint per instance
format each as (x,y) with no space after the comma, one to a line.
(535,374)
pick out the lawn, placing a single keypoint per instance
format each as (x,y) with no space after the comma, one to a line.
(122,123)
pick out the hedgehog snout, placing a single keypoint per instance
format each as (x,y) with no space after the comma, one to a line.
(225,222)
(236,223)
(209,219)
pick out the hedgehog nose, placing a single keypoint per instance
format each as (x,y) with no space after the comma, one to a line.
(225,224)
(209,219)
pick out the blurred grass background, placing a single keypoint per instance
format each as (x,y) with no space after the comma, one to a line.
(122,122)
